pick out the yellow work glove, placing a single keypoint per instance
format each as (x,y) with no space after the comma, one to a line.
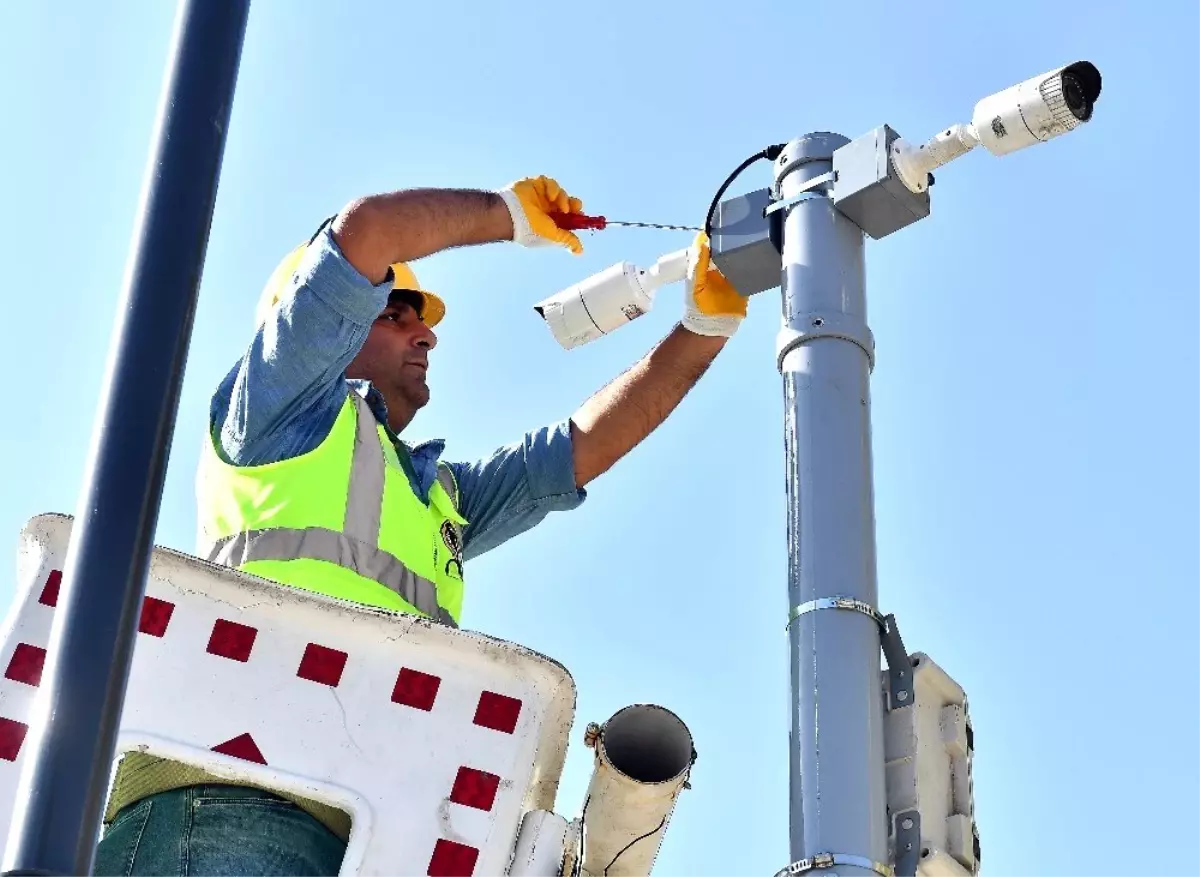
(531,201)
(711,305)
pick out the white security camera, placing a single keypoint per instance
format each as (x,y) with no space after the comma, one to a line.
(1037,109)
(609,299)
(1034,111)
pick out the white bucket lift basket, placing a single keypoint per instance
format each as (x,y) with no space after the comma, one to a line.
(435,741)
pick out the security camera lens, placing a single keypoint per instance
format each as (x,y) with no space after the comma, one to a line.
(1080,87)
(1077,101)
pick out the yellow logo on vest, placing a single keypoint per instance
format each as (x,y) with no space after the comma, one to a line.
(453,541)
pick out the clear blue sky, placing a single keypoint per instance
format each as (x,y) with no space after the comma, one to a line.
(1035,397)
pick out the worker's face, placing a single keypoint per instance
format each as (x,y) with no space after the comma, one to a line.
(395,357)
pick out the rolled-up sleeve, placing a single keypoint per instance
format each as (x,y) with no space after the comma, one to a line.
(280,399)
(516,487)
(329,276)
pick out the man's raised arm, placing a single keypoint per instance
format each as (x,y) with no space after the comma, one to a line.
(617,418)
(376,231)
(281,397)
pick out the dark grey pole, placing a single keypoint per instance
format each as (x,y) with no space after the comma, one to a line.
(65,782)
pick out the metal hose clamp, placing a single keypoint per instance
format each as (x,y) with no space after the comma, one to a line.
(849,603)
(828,860)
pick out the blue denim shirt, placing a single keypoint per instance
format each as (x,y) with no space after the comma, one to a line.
(281,399)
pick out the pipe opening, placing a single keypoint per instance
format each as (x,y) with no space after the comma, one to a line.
(647,743)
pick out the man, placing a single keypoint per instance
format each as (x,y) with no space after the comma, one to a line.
(304,479)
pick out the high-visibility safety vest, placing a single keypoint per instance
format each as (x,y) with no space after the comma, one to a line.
(340,520)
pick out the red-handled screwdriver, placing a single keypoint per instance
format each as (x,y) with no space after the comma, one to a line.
(577,221)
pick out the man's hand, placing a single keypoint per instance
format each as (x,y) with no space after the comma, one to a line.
(711,305)
(531,201)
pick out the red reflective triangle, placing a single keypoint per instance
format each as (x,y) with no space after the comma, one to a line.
(243,747)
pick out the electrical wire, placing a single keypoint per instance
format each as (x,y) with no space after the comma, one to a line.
(577,868)
(632,842)
(770,153)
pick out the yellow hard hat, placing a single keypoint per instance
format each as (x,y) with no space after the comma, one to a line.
(433,308)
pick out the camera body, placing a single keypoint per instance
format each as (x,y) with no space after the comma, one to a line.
(1037,109)
(584,311)
(609,299)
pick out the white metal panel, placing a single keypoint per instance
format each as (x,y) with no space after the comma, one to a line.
(429,785)
(541,842)
(928,750)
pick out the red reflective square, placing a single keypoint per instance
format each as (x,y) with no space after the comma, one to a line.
(321,664)
(26,664)
(231,640)
(50,590)
(498,712)
(452,859)
(475,788)
(416,689)
(156,615)
(12,735)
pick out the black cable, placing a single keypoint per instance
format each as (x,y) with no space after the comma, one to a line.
(770,153)
(577,869)
(631,843)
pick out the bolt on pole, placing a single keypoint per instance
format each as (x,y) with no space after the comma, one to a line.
(64,785)
(838,798)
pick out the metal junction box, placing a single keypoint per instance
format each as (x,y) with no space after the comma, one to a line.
(868,190)
(741,243)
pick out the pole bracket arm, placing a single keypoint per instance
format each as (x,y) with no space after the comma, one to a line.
(899,666)
(828,860)
(907,830)
(824,325)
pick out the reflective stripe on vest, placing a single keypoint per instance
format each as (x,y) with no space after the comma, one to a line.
(357,547)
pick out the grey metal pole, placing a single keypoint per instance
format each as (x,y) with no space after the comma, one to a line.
(65,783)
(838,799)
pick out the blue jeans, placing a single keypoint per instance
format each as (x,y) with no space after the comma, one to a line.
(217,830)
